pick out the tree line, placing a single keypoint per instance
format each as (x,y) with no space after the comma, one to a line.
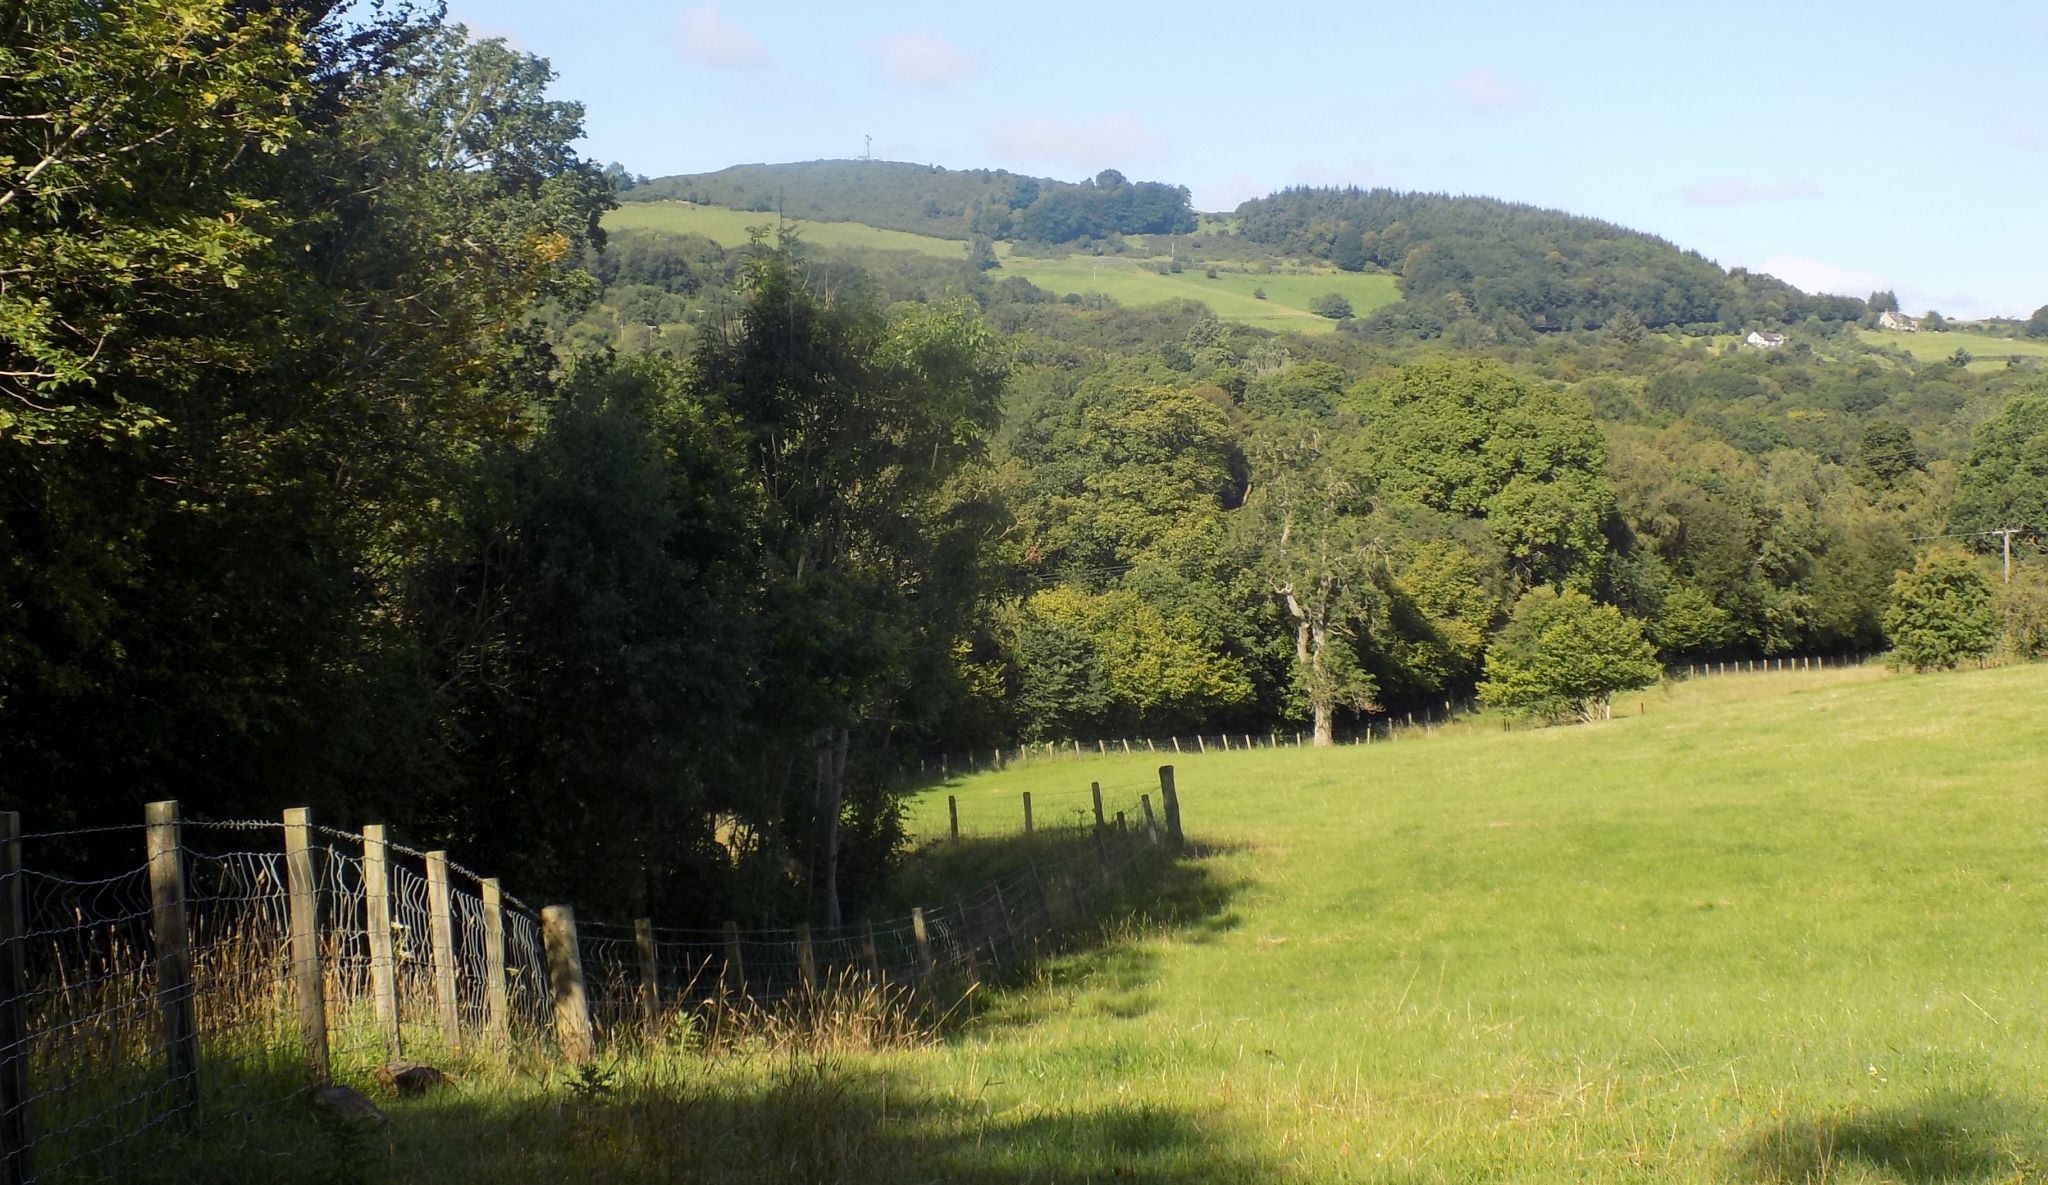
(343,460)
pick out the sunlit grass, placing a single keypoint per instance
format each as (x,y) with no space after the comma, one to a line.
(1783,927)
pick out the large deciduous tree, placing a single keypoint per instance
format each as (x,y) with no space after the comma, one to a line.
(1564,655)
(1942,612)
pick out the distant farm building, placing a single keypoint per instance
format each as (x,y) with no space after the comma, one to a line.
(1898,322)
(1764,341)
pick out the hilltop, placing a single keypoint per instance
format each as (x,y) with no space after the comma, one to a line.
(1502,263)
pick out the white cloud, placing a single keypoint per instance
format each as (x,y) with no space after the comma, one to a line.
(1814,275)
(1114,141)
(710,40)
(1226,195)
(1734,191)
(1483,90)
(918,59)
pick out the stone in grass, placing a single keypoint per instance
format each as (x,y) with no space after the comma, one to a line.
(410,1077)
(342,1105)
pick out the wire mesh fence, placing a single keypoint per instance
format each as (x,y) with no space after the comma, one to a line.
(1416,721)
(233,966)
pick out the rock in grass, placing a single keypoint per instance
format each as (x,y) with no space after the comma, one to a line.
(410,1077)
(342,1105)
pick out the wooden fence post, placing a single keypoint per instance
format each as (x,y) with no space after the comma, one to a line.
(806,959)
(377,930)
(924,950)
(565,979)
(953,816)
(1122,828)
(497,1007)
(734,978)
(1151,826)
(1027,812)
(17,1162)
(1170,802)
(307,981)
(1201,746)
(1095,788)
(650,974)
(168,920)
(868,952)
(441,939)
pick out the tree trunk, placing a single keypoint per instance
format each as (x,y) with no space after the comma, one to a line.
(1325,734)
(831,796)
(1308,653)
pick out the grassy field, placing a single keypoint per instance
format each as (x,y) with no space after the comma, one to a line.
(1936,347)
(728,228)
(1229,295)
(1127,281)
(1759,928)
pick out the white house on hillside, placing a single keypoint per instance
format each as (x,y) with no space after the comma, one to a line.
(1764,341)
(1897,321)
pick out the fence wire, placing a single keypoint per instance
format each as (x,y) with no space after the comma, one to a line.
(99,1006)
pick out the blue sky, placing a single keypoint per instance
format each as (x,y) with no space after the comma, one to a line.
(1842,147)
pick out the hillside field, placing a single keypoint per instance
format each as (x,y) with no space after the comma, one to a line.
(1777,928)
(1758,928)
(1989,351)
(1127,281)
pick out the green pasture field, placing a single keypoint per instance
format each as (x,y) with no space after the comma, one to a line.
(1757,928)
(729,228)
(1229,295)
(1989,351)
(1127,281)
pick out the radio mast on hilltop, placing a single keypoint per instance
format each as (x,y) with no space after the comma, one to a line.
(868,153)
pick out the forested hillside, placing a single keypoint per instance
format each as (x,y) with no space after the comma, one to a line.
(1544,268)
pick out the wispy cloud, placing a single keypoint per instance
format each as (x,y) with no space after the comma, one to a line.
(1483,90)
(1735,191)
(711,40)
(921,60)
(1815,275)
(1113,141)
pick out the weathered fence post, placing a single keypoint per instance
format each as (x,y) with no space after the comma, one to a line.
(497,1007)
(734,978)
(307,981)
(924,950)
(17,1164)
(377,929)
(565,979)
(953,816)
(806,959)
(1027,812)
(868,953)
(1095,788)
(1151,826)
(650,974)
(441,938)
(173,935)
(1122,828)
(1170,802)
(1201,746)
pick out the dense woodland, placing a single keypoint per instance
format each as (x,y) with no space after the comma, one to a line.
(344,461)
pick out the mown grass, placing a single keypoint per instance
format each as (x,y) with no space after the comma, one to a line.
(1229,295)
(1760,928)
(732,228)
(1990,352)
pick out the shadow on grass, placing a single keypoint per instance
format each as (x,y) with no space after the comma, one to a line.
(1949,1137)
(790,1120)
(1100,954)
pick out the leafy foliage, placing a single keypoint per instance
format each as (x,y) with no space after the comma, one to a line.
(1563,655)
(1941,613)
